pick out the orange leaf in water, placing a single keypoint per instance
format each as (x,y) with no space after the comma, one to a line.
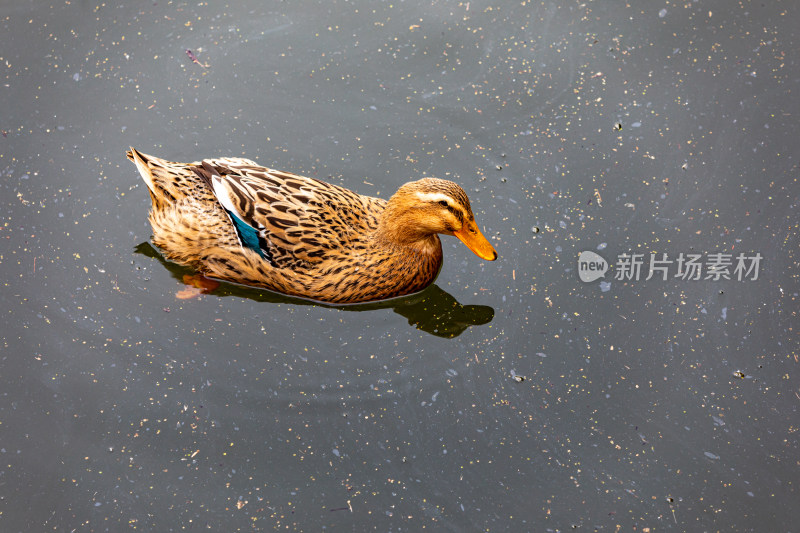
(188,293)
(195,286)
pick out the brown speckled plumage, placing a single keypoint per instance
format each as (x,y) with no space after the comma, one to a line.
(302,236)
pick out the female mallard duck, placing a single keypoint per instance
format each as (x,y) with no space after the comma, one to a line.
(234,220)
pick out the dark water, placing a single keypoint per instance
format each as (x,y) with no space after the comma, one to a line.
(511,396)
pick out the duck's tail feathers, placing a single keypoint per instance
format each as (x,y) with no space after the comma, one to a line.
(140,160)
(166,181)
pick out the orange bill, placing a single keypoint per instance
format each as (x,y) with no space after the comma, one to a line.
(470,235)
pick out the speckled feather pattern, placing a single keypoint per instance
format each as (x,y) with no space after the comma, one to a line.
(318,240)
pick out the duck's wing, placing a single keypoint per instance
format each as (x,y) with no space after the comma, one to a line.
(289,220)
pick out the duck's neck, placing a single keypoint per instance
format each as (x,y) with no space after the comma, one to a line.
(397,230)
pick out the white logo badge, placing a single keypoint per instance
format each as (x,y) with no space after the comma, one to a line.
(591,266)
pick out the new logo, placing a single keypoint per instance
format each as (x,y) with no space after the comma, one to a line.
(591,266)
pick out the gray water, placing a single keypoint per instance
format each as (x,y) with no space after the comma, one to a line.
(510,396)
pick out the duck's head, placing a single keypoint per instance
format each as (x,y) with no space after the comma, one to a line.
(422,208)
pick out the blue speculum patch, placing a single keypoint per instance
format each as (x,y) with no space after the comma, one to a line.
(247,234)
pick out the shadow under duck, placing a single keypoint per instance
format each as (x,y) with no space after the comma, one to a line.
(231,219)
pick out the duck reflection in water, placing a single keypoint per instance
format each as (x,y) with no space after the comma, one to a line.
(432,310)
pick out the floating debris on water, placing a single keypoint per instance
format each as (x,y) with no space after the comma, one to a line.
(194,58)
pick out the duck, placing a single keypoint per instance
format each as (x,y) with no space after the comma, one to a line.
(234,220)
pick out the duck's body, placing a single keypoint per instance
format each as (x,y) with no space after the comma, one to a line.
(232,219)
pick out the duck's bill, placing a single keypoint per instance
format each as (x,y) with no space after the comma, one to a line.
(472,237)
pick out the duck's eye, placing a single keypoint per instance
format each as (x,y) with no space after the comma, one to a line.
(443,203)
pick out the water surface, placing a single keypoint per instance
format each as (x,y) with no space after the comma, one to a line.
(509,396)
